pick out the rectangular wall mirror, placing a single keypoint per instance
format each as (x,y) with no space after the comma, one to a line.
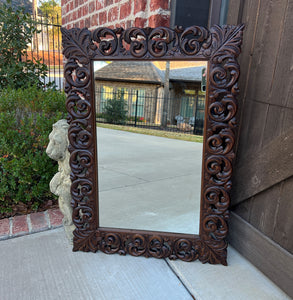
(153,182)
(141,194)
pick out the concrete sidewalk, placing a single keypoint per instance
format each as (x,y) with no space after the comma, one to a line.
(148,182)
(42,266)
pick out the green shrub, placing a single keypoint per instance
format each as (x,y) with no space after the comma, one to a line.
(115,111)
(26,118)
(100,115)
(16,33)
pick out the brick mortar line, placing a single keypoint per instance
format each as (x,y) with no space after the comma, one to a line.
(148,10)
(47,217)
(103,9)
(97,12)
(10,226)
(29,223)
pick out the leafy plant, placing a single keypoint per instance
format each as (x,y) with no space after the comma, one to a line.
(115,110)
(16,33)
(100,115)
(26,118)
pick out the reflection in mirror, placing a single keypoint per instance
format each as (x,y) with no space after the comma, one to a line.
(150,182)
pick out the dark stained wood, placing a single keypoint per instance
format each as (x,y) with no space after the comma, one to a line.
(264,169)
(233,12)
(262,193)
(282,82)
(288,117)
(273,124)
(215,8)
(250,13)
(269,257)
(289,102)
(245,112)
(220,46)
(283,229)
(244,209)
(253,128)
(266,48)
(250,10)
(264,210)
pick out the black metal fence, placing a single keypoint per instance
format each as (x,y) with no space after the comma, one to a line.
(46,47)
(136,107)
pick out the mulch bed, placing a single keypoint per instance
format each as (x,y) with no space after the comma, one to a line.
(24,209)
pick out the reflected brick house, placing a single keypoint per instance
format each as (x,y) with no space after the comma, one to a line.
(142,86)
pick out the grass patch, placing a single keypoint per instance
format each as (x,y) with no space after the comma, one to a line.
(161,133)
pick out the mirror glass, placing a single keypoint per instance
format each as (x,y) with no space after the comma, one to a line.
(148,180)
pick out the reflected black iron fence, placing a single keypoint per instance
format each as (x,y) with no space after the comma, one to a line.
(46,47)
(140,108)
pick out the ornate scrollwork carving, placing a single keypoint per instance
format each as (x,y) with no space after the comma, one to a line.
(216,199)
(224,110)
(85,240)
(106,40)
(137,39)
(219,169)
(159,40)
(192,39)
(80,162)
(224,76)
(221,47)
(137,245)
(110,243)
(216,226)
(77,44)
(184,250)
(80,134)
(158,248)
(78,103)
(221,142)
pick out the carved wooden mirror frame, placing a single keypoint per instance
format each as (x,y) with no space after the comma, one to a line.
(220,46)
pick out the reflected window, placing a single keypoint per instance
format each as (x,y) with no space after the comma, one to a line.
(188,103)
(106,94)
(199,113)
(137,103)
(187,106)
(111,93)
(121,94)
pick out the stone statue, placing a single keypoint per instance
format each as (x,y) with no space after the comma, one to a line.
(61,183)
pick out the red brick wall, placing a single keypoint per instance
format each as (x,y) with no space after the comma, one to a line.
(115,13)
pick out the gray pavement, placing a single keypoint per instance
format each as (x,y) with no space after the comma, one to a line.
(148,182)
(42,266)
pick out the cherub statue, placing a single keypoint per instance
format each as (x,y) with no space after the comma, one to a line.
(60,183)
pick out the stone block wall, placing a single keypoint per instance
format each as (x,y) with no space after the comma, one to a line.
(115,13)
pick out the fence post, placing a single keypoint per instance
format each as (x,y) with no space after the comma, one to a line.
(196,103)
(53,46)
(166,94)
(58,46)
(48,45)
(136,103)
